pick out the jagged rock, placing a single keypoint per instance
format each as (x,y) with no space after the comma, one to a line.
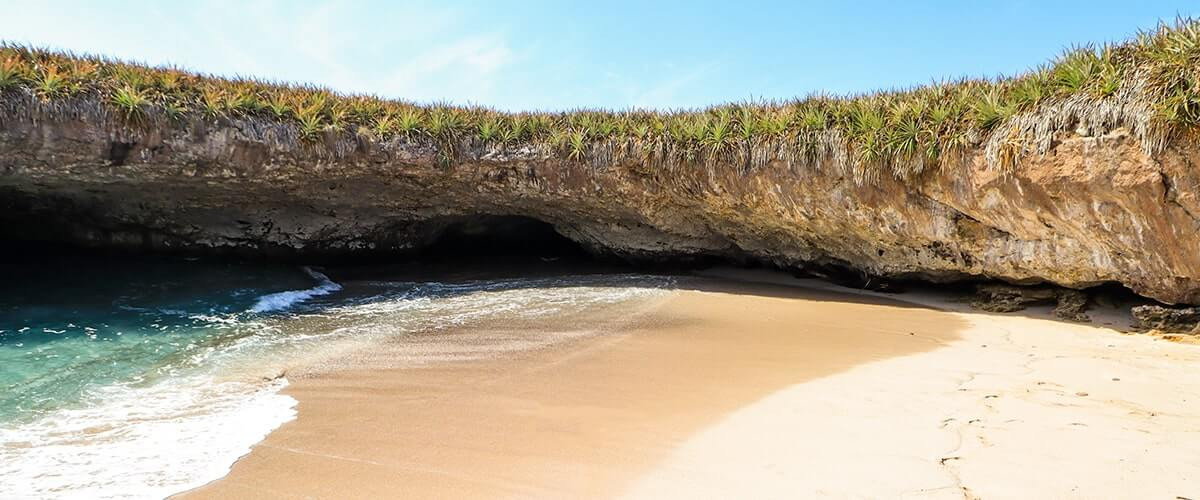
(1008,298)
(850,278)
(994,297)
(1092,210)
(1072,305)
(1168,319)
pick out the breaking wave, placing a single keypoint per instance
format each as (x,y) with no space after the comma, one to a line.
(280,301)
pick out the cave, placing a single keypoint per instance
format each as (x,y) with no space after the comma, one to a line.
(470,247)
(477,236)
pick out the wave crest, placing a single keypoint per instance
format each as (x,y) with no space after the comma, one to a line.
(283,300)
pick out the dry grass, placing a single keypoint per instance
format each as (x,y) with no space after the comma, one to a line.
(1150,84)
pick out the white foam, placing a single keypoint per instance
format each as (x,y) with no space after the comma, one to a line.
(283,300)
(141,442)
(417,308)
(151,441)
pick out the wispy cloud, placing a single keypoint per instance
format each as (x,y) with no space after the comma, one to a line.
(667,92)
(428,62)
(463,69)
(423,52)
(668,85)
(412,51)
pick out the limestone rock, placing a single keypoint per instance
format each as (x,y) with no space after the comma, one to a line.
(1068,304)
(1091,211)
(1168,319)
(1072,305)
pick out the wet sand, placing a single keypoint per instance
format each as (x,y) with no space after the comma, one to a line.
(728,388)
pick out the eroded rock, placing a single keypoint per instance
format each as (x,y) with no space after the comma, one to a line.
(996,297)
(1168,319)
(1093,210)
(1072,305)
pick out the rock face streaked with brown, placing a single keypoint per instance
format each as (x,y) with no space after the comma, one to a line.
(1093,210)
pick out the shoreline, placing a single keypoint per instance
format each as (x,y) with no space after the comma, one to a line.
(740,387)
(559,395)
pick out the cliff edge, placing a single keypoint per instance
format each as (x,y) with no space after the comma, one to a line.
(1080,173)
(1091,210)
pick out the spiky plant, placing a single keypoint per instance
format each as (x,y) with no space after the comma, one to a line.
(1150,84)
(129,76)
(385,126)
(990,109)
(510,131)
(1075,70)
(605,125)
(212,101)
(905,135)
(445,123)
(50,82)
(338,115)
(278,105)
(82,71)
(746,127)
(174,109)
(536,126)
(243,100)
(489,130)
(640,130)
(312,120)
(576,145)
(773,125)
(12,72)
(811,119)
(408,122)
(169,81)
(717,138)
(130,101)
(364,109)
(865,119)
(1031,89)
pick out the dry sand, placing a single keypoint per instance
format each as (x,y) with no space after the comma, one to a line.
(752,390)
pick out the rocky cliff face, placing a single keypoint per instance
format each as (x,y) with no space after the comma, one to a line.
(1093,210)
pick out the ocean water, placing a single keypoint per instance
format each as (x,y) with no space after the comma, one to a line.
(139,378)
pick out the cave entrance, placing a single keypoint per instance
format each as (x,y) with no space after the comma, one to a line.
(472,247)
(492,236)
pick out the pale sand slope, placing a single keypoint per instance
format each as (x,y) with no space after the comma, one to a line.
(738,390)
(1018,407)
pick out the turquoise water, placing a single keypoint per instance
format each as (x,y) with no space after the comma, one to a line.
(142,377)
(69,325)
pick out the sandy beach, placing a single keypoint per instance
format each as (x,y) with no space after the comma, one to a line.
(746,385)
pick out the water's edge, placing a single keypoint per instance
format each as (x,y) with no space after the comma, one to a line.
(204,387)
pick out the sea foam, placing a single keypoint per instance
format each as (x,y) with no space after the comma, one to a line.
(158,436)
(284,300)
(141,442)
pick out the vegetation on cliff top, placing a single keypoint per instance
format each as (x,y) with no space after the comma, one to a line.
(1150,84)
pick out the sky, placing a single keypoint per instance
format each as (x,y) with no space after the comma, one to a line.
(559,55)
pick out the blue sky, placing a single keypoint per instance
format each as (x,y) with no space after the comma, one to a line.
(531,54)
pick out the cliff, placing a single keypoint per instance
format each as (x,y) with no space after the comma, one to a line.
(1090,210)
(1082,172)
